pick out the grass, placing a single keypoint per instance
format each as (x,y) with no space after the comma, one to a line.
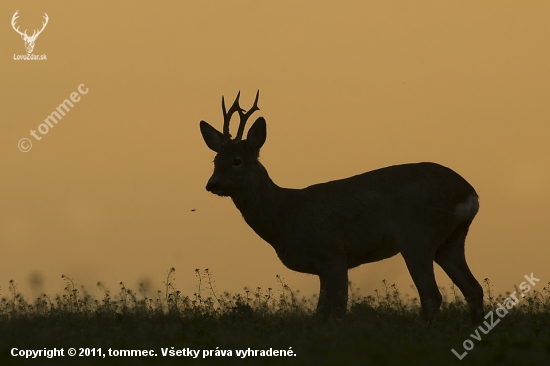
(382,329)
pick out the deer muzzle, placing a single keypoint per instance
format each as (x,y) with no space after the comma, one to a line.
(213,185)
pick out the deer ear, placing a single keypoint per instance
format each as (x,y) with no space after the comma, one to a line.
(211,136)
(257,133)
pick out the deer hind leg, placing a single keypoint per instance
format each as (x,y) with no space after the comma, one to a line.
(451,258)
(422,272)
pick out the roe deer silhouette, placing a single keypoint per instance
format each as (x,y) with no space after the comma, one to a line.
(421,210)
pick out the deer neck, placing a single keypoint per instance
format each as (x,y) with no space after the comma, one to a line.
(264,206)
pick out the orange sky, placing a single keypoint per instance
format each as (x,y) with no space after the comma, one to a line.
(346,87)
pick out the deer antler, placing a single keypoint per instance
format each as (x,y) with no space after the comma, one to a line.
(227,117)
(43,26)
(36,32)
(244,116)
(15,16)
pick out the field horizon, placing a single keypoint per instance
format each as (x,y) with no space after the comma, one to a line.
(265,325)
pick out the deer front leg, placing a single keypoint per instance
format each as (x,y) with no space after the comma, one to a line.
(334,289)
(323,305)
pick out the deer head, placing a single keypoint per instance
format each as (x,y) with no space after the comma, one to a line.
(236,159)
(29,41)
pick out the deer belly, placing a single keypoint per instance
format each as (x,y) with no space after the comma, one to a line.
(296,261)
(385,248)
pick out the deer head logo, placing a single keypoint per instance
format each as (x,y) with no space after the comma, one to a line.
(29,40)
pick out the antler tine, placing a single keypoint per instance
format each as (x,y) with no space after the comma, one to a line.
(14,17)
(227,116)
(245,116)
